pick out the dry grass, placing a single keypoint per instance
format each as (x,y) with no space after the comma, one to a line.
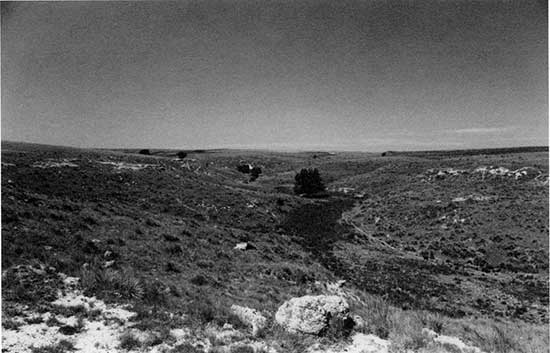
(404,328)
(129,341)
(63,346)
(492,336)
(172,233)
(125,283)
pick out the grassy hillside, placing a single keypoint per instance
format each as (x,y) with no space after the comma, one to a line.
(466,250)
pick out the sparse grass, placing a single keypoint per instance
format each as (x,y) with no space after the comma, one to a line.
(491,336)
(338,329)
(375,311)
(284,341)
(404,328)
(80,213)
(433,321)
(9,324)
(185,348)
(203,310)
(53,321)
(241,349)
(129,341)
(37,319)
(31,287)
(124,283)
(75,310)
(63,346)
(152,317)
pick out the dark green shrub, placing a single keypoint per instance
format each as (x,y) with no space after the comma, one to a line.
(128,341)
(255,173)
(181,155)
(338,328)
(145,151)
(308,182)
(244,168)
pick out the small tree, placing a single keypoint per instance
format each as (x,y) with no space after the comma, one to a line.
(181,155)
(308,182)
(244,168)
(255,173)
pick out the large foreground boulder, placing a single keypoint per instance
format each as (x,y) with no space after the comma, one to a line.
(313,314)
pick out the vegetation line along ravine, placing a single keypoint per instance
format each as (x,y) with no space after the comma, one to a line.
(317,228)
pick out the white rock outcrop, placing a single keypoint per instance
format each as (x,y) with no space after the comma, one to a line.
(311,314)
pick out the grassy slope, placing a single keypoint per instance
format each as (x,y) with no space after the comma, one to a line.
(172,227)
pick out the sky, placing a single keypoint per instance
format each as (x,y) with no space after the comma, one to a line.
(369,75)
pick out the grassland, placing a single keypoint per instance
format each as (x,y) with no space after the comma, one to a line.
(463,253)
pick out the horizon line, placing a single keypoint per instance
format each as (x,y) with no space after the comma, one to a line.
(286,150)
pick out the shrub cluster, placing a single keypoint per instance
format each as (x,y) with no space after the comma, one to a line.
(308,181)
(248,169)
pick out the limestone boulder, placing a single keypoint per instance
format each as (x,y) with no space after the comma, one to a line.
(312,314)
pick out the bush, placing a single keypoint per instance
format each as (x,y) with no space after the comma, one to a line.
(181,155)
(145,151)
(308,182)
(244,168)
(128,341)
(96,280)
(255,173)
(338,328)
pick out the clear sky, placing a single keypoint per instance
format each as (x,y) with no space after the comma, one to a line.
(343,75)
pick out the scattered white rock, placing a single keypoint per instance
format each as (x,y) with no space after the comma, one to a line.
(345,189)
(521,173)
(443,173)
(332,288)
(250,317)
(125,165)
(101,336)
(50,163)
(27,336)
(241,246)
(451,341)
(361,343)
(99,333)
(499,171)
(225,335)
(526,172)
(471,197)
(311,314)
